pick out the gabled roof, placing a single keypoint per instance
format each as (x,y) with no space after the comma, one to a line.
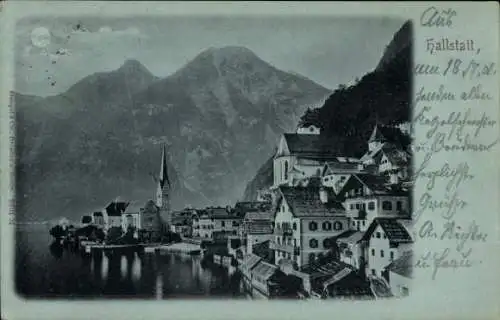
(378,184)
(250,260)
(305,202)
(314,146)
(394,231)
(133,208)
(259,215)
(259,227)
(402,265)
(351,238)
(264,270)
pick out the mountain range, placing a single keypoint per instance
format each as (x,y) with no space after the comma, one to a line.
(220,116)
(348,115)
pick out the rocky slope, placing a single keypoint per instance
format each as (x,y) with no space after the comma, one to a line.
(349,114)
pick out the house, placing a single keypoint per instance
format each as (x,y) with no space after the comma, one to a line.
(114,212)
(267,279)
(257,228)
(181,223)
(336,172)
(225,223)
(333,278)
(400,274)
(388,150)
(301,155)
(306,218)
(98,219)
(368,196)
(351,248)
(387,239)
(151,224)
(206,225)
(131,217)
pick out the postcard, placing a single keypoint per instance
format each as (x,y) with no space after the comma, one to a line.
(240,160)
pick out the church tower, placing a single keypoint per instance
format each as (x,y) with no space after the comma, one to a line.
(163,191)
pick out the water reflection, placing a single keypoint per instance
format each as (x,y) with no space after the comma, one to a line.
(47,269)
(56,249)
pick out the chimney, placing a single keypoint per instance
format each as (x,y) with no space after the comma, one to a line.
(323,195)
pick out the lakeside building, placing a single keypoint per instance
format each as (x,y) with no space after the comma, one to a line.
(306,218)
(257,228)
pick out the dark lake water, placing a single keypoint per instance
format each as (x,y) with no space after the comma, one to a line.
(44,271)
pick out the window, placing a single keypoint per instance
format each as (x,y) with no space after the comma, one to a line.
(223,223)
(381,253)
(373,272)
(371,205)
(278,240)
(364,223)
(286,170)
(283,208)
(311,129)
(404,291)
(326,243)
(294,226)
(373,252)
(378,235)
(357,206)
(294,242)
(353,223)
(342,179)
(392,255)
(337,225)
(352,206)
(327,225)
(399,205)
(385,237)
(313,226)
(313,243)
(387,205)
(358,225)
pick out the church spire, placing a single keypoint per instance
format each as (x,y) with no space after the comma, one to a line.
(163,170)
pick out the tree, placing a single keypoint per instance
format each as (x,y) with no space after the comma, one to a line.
(57,232)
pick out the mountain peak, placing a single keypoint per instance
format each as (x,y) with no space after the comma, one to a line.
(133,66)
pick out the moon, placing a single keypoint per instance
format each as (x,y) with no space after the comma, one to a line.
(40,37)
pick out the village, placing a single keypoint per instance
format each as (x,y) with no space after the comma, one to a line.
(330,226)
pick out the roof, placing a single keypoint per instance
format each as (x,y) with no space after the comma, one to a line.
(97,214)
(264,270)
(305,202)
(116,208)
(395,155)
(259,215)
(351,238)
(259,227)
(378,184)
(394,231)
(250,260)
(133,207)
(383,133)
(351,286)
(402,265)
(316,270)
(262,250)
(310,145)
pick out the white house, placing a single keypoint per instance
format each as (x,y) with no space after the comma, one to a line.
(131,217)
(387,240)
(400,274)
(305,221)
(368,196)
(351,248)
(336,172)
(300,156)
(113,216)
